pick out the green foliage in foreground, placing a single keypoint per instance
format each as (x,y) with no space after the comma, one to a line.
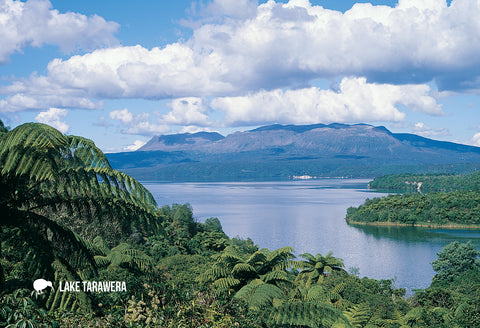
(179,272)
(43,173)
(457,208)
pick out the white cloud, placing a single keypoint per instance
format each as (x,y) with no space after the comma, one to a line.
(421,129)
(140,124)
(53,117)
(136,145)
(194,129)
(188,111)
(35,23)
(280,46)
(21,101)
(475,141)
(356,100)
(123,115)
(136,72)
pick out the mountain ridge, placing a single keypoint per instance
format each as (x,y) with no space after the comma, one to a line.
(281,151)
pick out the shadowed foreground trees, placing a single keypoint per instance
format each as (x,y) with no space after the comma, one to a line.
(44,173)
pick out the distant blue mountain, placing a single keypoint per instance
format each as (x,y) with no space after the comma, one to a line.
(180,141)
(282,151)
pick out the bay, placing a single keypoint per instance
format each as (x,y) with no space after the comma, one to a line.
(309,215)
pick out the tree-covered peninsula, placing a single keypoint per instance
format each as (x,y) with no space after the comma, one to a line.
(435,209)
(427,182)
(102,254)
(431,200)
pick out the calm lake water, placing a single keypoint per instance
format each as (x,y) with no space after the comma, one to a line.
(309,215)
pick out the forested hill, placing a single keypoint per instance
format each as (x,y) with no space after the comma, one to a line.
(427,182)
(430,200)
(282,151)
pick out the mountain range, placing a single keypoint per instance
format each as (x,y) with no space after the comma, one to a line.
(286,151)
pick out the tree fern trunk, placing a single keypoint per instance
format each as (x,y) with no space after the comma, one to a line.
(55,300)
(74,305)
(62,300)
(50,298)
(52,294)
(64,306)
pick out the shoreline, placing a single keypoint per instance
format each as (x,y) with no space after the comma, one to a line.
(452,226)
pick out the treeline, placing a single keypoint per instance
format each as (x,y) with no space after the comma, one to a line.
(427,182)
(434,208)
(68,216)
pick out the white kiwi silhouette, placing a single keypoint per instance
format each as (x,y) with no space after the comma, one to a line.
(40,284)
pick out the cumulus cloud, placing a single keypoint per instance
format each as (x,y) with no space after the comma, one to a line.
(136,72)
(40,93)
(140,124)
(290,43)
(35,23)
(188,111)
(279,46)
(136,145)
(122,115)
(475,141)
(53,117)
(355,100)
(426,131)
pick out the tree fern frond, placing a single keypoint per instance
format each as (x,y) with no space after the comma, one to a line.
(232,255)
(315,293)
(226,283)
(256,258)
(217,271)
(99,245)
(310,314)
(279,255)
(358,315)
(274,276)
(243,269)
(258,295)
(101,261)
(339,288)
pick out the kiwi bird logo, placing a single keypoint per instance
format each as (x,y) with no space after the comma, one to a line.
(40,284)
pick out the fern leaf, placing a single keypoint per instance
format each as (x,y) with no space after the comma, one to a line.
(258,295)
(226,283)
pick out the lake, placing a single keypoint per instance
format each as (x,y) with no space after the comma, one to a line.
(309,215)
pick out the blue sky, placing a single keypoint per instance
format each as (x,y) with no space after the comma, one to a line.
(119,72)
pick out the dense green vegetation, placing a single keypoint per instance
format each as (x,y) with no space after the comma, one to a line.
(435,208)
(427,182)
(66,215)
(449,200)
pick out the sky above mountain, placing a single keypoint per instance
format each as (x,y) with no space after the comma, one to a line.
(120,72)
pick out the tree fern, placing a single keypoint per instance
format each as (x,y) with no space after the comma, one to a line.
(44,172)
(258,294)
(357,316)
(313,268)
(122,255)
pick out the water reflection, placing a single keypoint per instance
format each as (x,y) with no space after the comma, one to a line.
(419,234)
